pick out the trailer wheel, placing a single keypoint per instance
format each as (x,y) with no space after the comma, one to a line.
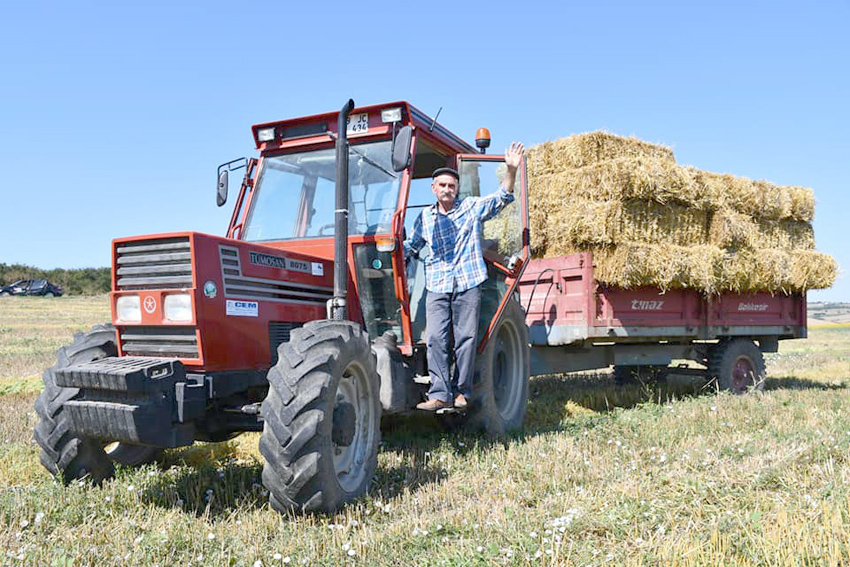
(322,418)
(66,456)
(737,365)
(500,387)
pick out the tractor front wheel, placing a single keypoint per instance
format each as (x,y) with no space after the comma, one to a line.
(322,418)
(64,454)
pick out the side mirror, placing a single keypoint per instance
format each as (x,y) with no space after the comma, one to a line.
(221,193)
(401,148)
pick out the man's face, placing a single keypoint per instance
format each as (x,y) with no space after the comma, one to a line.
(445,188)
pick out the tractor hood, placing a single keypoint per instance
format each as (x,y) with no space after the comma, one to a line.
(194,296)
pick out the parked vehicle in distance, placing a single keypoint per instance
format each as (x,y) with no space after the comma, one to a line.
(12,288)
(32,287)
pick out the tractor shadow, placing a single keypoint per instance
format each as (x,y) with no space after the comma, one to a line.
(206,479)
(558,402)
(793,383)
(215,479)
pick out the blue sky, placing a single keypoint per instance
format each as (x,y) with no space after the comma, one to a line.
(115,115)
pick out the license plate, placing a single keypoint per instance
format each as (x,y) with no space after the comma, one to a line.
(358,123)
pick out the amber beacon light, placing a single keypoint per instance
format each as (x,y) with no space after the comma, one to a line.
(482,139)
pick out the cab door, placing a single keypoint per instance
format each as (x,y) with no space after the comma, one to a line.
(505,237)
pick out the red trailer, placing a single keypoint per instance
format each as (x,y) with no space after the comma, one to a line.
(577,323)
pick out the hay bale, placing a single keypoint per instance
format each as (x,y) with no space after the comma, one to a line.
(583,222)
(709,269)
(671,223)
(622,178)
(732,230)
(504,231)
(651,222)
(758,199)
(586,149)
(747,269)
(659,265)
(813,270)
(802,203)
(785,234)
(776,270)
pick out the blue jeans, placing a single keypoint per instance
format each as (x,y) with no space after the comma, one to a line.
(452,316)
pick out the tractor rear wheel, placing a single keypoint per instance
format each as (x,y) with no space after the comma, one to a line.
(500,387)
(737,365)
(65,455)
(322,418)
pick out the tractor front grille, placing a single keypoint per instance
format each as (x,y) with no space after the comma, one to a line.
(162,263)
(177,342)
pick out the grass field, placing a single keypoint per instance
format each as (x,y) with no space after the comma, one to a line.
(641,475)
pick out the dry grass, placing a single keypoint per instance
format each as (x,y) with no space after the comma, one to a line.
(670,474)
(32,328)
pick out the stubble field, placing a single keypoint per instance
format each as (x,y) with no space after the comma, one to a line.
(672,474)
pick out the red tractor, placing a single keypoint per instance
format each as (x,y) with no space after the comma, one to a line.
(304,323)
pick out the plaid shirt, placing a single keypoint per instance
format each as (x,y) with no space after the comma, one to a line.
(455,262)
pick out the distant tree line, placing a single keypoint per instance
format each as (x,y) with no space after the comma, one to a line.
(81,281)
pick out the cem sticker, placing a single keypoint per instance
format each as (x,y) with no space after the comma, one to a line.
(243,308)
(318,269)
(210,290)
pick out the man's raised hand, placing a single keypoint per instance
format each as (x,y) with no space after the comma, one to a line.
(513,155)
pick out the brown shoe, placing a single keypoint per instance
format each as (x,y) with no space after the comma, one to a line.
(460,401)
(433,405)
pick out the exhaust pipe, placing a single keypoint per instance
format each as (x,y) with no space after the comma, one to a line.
(337,310)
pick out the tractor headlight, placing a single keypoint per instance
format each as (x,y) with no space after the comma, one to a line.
(265,135)
(391,114)
(178,307)
(129,308)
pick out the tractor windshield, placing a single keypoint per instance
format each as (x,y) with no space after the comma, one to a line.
(294,195)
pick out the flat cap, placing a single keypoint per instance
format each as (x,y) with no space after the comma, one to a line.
(445,171)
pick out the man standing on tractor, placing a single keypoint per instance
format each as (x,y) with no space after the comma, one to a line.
(453,272)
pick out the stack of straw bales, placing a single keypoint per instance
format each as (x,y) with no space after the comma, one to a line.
(650,221)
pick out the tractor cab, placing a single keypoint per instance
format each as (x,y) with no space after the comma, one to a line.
(287,201)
